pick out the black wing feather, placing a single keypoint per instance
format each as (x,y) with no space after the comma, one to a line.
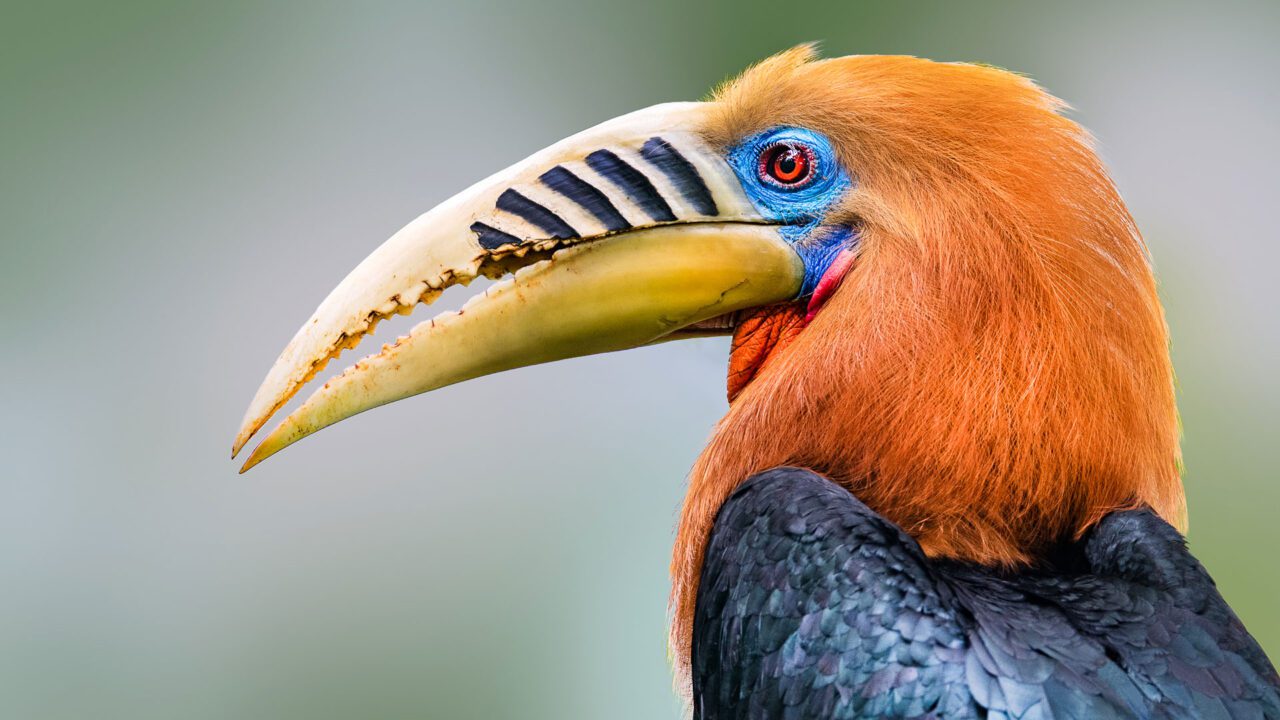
(813,606)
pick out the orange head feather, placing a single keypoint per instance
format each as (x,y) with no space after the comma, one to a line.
(993,374)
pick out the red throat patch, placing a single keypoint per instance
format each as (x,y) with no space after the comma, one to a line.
(757,336)
(763,331)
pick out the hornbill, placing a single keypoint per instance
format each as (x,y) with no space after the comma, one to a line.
(948,482)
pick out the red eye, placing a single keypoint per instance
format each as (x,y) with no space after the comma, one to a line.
(787,165)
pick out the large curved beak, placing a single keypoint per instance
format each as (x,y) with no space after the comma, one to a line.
(629,233)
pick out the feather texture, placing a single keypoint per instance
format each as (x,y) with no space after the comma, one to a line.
(814,606)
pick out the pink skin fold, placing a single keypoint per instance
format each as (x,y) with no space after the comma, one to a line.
(830,281)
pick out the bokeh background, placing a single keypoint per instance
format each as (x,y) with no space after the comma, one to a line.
(179,187)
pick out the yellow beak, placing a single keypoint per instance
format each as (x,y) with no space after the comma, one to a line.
(620,236)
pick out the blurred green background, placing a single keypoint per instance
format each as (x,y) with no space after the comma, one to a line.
(182,184)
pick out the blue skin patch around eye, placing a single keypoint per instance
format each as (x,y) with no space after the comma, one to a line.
(800,210)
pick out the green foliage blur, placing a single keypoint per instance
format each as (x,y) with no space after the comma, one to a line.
(182,183)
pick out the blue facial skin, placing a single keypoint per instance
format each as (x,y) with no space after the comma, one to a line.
(801,210)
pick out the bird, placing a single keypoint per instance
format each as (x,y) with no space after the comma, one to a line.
(948,482)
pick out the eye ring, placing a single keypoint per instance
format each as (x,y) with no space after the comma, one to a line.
(787,165)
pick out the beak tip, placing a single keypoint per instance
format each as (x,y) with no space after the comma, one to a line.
(276,441)
(241,440)
(250,462)
(248,428)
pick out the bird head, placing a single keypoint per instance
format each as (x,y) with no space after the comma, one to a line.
(936,295)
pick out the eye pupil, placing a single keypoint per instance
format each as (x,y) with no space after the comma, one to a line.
(787,165)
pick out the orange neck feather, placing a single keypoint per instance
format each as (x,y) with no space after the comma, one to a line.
(993,374)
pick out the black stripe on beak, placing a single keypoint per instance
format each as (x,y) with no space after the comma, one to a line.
(492,238)
(547,221)
(633,183)
(586,195)
(682,173)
